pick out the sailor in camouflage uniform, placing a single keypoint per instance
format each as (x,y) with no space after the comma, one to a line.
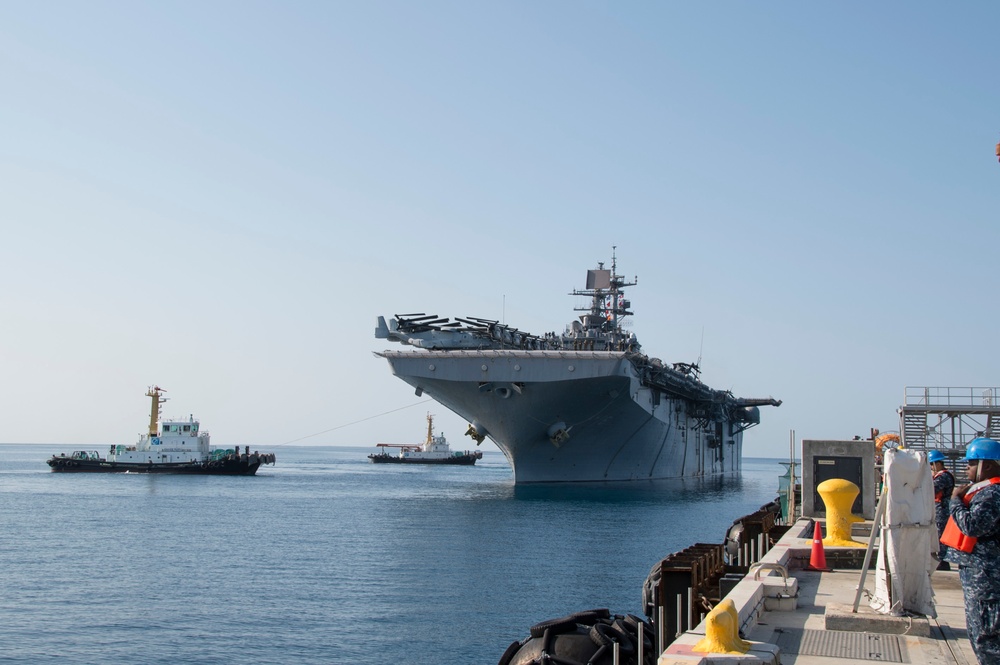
(944,483)
(974,532)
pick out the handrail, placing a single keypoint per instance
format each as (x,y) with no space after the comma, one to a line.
(951,396)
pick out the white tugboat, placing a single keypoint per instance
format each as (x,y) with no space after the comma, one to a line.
(170,446)
(435,450)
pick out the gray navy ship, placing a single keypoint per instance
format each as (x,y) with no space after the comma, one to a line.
(586,405)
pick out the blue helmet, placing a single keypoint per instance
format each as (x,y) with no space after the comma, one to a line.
(983,449)
(935,456)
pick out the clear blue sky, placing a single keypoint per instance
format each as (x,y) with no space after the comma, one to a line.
(220,198)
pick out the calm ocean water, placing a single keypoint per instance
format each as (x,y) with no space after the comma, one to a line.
(327,558)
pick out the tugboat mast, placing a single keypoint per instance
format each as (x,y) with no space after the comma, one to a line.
(154,413)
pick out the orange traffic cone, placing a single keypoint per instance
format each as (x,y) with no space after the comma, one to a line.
(817,558)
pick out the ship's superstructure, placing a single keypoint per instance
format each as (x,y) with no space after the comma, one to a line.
(585,405)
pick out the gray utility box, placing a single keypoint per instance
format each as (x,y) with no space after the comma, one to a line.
(850,460)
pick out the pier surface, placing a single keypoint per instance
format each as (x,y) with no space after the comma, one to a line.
(820,627)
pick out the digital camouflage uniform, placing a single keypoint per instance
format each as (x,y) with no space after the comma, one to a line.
(944,483)
(978,570)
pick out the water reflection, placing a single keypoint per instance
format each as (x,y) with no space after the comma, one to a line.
(647,491)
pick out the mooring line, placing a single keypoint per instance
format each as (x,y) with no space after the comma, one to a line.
(378,415)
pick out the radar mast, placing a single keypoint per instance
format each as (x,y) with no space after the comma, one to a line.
(608,306)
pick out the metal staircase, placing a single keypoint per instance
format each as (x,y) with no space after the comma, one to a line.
(914,429)
(993,426)
(947,419)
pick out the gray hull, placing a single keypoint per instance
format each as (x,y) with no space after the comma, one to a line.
(618,429)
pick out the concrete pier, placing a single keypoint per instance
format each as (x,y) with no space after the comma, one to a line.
(809,618)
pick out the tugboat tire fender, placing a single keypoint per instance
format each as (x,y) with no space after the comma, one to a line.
(622,625)
(589,617)
(508,655)
(632,623)
(604,634)
(554,626)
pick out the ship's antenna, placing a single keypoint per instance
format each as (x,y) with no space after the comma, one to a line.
(503,318)
(614,295)
(701,348)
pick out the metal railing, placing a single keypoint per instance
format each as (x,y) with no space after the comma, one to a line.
(942,396)
(948,418)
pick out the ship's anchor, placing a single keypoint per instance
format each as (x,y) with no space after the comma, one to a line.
(477,432)
(558,433)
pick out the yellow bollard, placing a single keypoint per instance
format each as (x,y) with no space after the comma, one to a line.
(838,496)
(722,631)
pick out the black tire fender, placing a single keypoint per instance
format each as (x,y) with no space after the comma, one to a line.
(554,626)
(632,623)
(603,635)
(589,617)
(509,654)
